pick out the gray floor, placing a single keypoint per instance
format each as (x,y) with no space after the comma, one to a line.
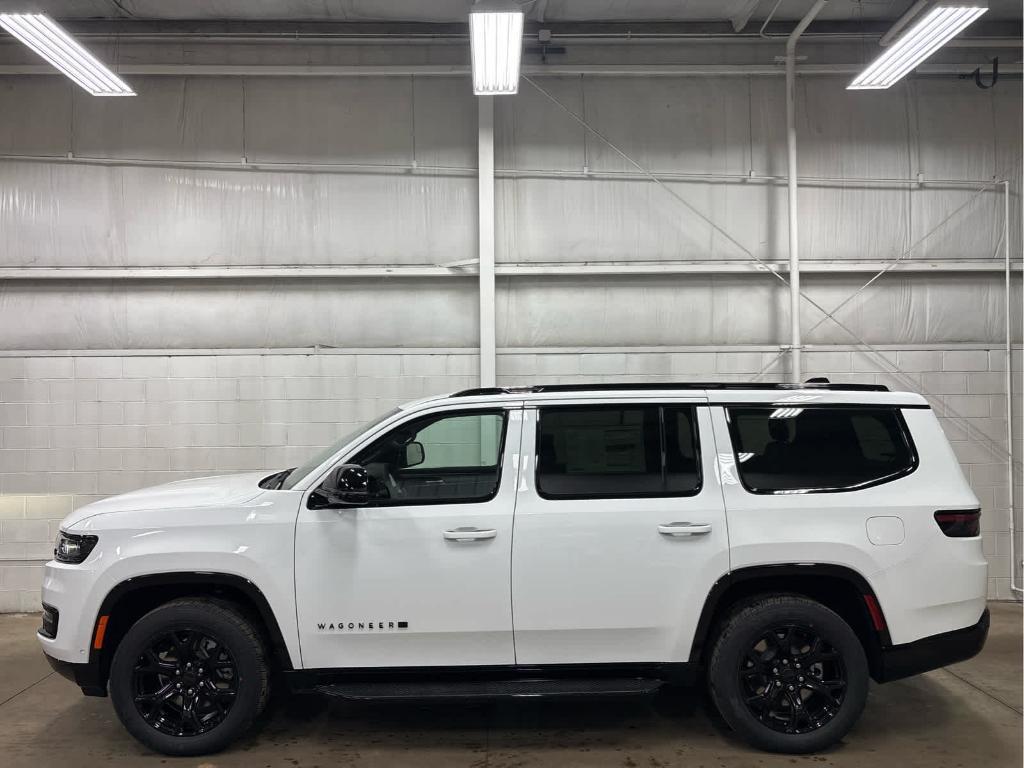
(964,716)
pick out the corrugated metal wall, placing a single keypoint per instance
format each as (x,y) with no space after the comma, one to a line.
(74,427)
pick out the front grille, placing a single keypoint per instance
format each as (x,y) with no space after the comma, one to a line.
(51,617)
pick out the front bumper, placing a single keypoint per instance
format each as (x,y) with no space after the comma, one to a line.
(85,676)
(899,661)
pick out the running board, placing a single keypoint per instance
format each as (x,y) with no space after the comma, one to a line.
(492,689)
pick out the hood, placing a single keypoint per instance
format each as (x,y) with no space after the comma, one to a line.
(182,494)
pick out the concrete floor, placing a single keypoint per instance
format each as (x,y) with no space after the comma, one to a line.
(964,716)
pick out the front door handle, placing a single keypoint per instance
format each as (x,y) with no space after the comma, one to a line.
(470,534)
(684,529)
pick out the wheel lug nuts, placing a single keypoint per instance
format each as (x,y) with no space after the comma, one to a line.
(800,679)
(790,688)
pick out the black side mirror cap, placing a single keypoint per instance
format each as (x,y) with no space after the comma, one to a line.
(345,486)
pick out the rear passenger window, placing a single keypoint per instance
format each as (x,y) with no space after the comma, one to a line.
(801,450)
(617,452)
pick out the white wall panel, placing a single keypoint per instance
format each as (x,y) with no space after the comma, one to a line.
(179,118)
(532,133)
(957,140)
(690,310)
(915,308)
(444,111)
(202,314)
(87,215)
(619,220)
(674,124)
(329,120)
(36,115)
(849,134)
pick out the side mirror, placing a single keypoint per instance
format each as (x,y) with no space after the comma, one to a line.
(346,486)
(414,455)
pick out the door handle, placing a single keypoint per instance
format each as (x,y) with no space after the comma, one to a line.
(684,529)
(470,534)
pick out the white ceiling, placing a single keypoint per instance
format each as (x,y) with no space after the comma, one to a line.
(455,10)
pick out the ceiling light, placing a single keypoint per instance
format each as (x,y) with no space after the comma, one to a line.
(47,38)
(921,40)
(496,43)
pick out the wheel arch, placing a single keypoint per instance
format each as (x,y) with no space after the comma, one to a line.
(132,598)
(837,587)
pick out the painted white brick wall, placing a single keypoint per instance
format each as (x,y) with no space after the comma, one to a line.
(78,428)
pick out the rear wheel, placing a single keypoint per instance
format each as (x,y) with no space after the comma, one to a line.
(788,674)
(189,677)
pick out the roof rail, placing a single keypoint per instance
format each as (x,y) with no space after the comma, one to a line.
(538,388)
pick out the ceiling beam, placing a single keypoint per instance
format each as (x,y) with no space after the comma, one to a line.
(358,271)
(128,29)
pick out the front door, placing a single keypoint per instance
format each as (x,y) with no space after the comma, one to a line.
(420,576)
(620,532)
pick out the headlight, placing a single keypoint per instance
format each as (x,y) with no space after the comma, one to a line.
(73,547)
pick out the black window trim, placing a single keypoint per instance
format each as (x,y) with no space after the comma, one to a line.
(502,411)
(908,441)
(661,406)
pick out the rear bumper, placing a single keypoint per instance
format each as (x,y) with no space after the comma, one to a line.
(899,661)
(85,676)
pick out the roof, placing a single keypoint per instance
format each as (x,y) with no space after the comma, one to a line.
(714,385)
(714,392)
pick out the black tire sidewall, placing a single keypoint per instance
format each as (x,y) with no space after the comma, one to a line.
(249,664)
(744,630)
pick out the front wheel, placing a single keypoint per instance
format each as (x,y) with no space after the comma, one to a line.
(189,677)
(788,674)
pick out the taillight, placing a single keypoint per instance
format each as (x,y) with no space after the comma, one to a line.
(959,523)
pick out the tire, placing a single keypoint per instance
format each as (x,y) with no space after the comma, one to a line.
(197,709)
(750,677)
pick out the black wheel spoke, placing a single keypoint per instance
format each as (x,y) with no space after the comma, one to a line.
(792,679)
(824,691)
(151,662)
(162,695)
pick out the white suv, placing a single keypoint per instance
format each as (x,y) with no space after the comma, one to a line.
(784,542)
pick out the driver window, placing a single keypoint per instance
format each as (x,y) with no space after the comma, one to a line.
(444,458)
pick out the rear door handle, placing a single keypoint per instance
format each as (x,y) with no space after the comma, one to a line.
(470,534)
(684,529)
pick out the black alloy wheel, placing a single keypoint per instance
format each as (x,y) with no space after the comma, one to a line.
(793,679)
(185,683)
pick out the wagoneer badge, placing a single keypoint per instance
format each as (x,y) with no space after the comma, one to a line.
(361,626)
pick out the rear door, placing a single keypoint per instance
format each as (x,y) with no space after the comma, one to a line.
(619,531)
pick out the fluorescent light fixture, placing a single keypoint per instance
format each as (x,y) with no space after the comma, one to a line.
(932,31)
(496,44)
(47,38)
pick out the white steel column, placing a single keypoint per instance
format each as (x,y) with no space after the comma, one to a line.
(485,183)
(794,254)
(1014,555)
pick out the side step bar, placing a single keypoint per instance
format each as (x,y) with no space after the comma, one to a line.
(492,689)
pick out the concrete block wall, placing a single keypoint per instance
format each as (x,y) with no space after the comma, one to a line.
(75,427)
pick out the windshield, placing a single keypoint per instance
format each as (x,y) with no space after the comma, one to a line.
(321,456)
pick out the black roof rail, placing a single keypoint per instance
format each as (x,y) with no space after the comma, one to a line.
(538,388)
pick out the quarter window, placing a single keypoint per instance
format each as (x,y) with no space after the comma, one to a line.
(440,459)
(800,450)
(617,452)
